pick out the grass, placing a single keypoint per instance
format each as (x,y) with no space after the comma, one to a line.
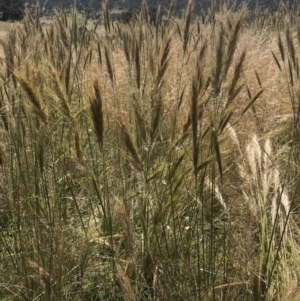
(4,28)
(149,161)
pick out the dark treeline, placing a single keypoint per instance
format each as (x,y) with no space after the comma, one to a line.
(136,4)
(14,9)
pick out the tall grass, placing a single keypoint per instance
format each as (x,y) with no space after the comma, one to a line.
(150,160)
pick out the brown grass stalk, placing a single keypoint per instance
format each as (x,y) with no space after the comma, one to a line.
(156,112)
(97,113)
(138,65)
(106,17)
(128,142)
(78,149)
(33,96)
(42,276)
(140,120)
(124,282)
(109,65)
(3,112)
(61,95)
(164,61)
(126,226)
(188,21)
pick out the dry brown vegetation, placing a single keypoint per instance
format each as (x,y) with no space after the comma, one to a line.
(151,162)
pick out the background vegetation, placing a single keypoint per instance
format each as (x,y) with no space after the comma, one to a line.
(153,160)
(12,9)
(179,6)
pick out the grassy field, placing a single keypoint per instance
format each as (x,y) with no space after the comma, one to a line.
(149,161)
(4,29)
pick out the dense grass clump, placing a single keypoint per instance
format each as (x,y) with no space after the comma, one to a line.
(151,160)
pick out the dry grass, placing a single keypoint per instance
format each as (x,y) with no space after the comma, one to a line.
(150,162)
(4,29)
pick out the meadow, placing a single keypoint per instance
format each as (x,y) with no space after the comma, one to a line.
(151,160)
